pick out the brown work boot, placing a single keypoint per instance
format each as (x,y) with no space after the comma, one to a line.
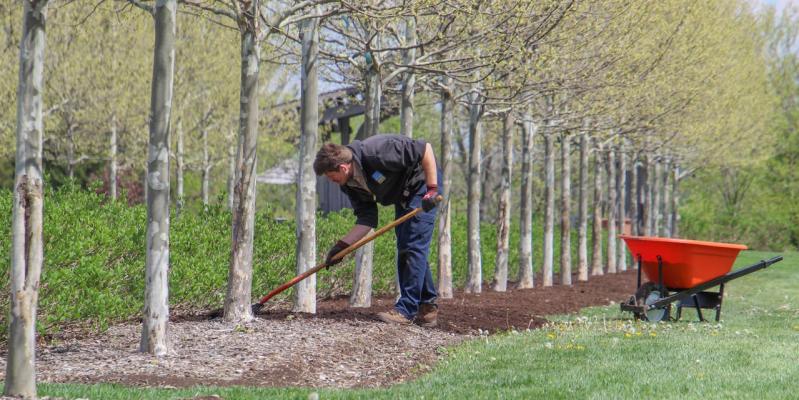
(428,315)
(393,317)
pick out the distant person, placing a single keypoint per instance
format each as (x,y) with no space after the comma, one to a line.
(391,169)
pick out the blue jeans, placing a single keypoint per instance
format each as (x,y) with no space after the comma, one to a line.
(413,247)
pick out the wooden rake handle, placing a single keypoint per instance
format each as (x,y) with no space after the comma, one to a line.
(343,253)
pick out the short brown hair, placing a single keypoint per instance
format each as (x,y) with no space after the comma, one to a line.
(330,156)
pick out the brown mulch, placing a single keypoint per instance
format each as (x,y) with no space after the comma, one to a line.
(337,347)
(491,311)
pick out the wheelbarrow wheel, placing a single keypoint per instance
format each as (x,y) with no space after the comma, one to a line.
(648,294)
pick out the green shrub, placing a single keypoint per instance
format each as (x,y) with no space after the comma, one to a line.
(95,257)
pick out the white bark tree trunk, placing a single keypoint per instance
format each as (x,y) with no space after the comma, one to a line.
(611,168)
(675,203)
(444,218)
(657,189)
(549,208)
(112,173)
(156,298)
(237,306)
(27,253)
(475,274)
(71,126)
(634,200)
(621,263)
(361,296)
(408,79)
(181,165)
(565,211)
(664,209)
(231,177)
(364,257)
(500,283)
(582,230)
(526,280)
(206,168)
(305,291)
(596,232)
(647,195)
(487,186)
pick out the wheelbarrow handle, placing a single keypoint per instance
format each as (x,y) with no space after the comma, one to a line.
(341,254)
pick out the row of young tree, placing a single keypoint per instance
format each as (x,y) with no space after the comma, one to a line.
(646,87)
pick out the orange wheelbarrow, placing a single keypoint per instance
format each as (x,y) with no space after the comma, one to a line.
(682,271)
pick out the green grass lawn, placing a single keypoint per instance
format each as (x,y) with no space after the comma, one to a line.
(600,354)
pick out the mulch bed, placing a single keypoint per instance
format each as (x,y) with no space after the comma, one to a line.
(337,347)
(495,311)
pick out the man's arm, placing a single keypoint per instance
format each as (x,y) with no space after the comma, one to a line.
(355,234)
(429,166)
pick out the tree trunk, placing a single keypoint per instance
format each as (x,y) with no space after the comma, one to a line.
(657,188)
(596,233)
(231,176)
(611,168)
(206,169)
(444,218)
(362,285)
(634,201)
(486,186)
(475,275)
(664,226)
(156,298)
(408,79)
(675,202)
(305,292)
(70,147)
(503,210)
(621,263)
(26,222)
(361,296)
(144,181)
(239,291)
(112,174)
(549,210)
(582,230)
(181,165)
(565,212)
(372,102)
(647,195)
(526,280)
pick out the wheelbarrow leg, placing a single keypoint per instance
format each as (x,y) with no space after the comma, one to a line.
(718,306)
(698,309)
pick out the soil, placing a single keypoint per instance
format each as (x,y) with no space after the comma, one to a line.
(337,347)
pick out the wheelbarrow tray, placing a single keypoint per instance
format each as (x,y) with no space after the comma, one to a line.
(686,263)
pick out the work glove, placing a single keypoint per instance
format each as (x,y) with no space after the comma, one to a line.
(340,245)
(429,198)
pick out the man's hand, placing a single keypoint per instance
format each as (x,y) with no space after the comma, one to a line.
(429,198)
(340,245)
